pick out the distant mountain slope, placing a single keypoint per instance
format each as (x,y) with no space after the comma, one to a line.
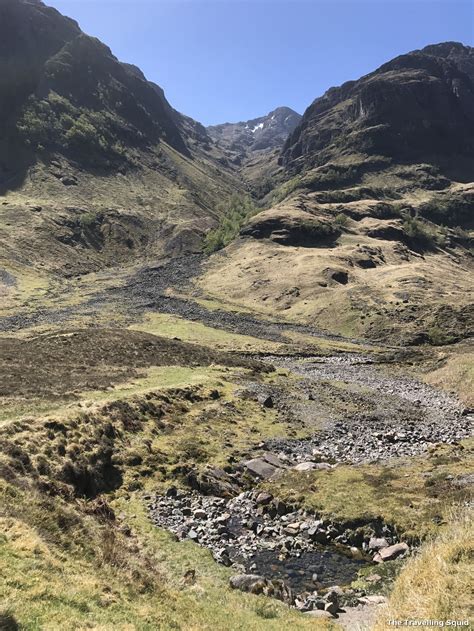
(419,107)
(252,148)
(265,132)
(64,91)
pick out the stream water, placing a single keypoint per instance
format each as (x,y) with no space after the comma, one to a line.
(326,566)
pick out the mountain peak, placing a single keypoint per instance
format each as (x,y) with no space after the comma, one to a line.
(262,133)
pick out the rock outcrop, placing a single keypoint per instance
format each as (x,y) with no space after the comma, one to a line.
(419,107)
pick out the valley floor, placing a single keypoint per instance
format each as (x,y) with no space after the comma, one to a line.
(156,442)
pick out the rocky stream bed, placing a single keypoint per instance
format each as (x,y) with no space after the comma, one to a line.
(284,551)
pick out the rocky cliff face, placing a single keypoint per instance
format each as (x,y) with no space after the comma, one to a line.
(263,133)
(63,91)
(370,215)
(418,107)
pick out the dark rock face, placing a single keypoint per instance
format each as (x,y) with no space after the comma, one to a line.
(64,91)
(265,132)
(417,107)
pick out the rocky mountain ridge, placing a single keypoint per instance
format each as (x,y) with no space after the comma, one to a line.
(417,107)
(114,172)
(259,134)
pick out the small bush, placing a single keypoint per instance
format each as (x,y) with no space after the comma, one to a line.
(88,219)
(341,219)
(417,231)
(438,337)
(266,611)
(234,215)
(455,210)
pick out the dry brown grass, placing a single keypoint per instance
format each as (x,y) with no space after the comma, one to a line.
(402,293)
(436,584)
(456,373)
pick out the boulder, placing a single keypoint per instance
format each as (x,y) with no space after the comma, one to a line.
(305,466)
(317,534)
(266,401)
(319,614)
(391,552)
(68,180)
(292,529)
(334,594)
(375,599)
(377,543)
(213,481)
(273,460)
(200,514)
(260,468)
(331,608)
(263,498)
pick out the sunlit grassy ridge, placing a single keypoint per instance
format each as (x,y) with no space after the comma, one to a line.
(436,583)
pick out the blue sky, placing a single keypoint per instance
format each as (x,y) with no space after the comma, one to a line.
(231,60)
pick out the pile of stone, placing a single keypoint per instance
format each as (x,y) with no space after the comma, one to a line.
(238,528)
(410,417)
(365,438)
(331,602)
(235,529)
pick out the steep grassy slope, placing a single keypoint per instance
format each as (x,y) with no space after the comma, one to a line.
(372,219)
(96,167)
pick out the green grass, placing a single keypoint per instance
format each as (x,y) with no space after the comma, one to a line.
(174,326)
(61,567)
(156,377)
(412,494)
(46,587)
